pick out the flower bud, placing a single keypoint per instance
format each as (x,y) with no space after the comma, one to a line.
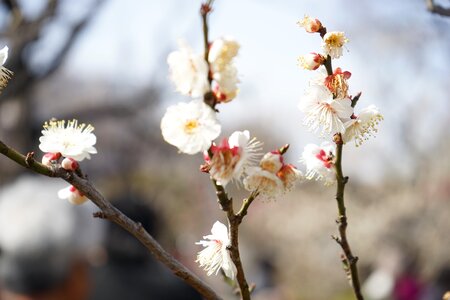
(72,195)
(310,61)
(271,162)
(311,25)
(48,158)
(69,164)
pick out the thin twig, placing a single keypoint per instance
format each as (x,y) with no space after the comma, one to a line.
(108,211)
(349,260)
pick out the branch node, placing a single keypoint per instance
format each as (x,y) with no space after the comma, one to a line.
(29,159)
(100,215)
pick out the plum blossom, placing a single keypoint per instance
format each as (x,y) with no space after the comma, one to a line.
(311,25)
(322,110)
(363,126)
(311,61)
(215,256)
(190,127)
(74,140)
(188,71)
(5,74)
(72,194)
(224,72)
(337,83)
(232,157)
(319,161)
(333,42)
(272,177)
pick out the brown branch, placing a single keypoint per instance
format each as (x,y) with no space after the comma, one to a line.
(234,220)
(349,259)
(437,9)
(108,211)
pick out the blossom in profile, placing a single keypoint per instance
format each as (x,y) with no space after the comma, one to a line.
(232,157)
(73,141)
(319,161)
(272,177)
(311,61)
(324,111)
(337,83)
(333,42)
(215,256)
(224,73)
(5,74)
(188,71)
(72,194)
(363,126)
(190,127)
(311,25)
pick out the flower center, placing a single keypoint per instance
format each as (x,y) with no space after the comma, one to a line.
(190,126)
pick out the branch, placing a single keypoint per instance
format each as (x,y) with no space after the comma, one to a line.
(349,260)
(226,204)
(437,9)
(108,211)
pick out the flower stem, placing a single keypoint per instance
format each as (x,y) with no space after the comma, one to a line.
(349,259)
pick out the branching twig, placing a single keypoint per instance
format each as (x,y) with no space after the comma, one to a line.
(108,211)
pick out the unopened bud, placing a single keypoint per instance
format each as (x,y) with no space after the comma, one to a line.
(69,164)
(72,194)
(311,25)
(310,61)
(49,158)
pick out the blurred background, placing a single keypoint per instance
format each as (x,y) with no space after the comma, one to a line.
(103,62)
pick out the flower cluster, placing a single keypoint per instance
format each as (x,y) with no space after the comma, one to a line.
(193,126)
(190,71)
(73,143)
(327,105)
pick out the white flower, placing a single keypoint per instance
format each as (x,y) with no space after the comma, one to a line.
(362,126)
(310,61)
(74,140)
(273,177)
(190,126)
(321,109)
(319,161)
(224,72)
(222,52)
(188,71)
(72,195)
(5,74)
(230,159)
(225,84)
(216,256)
(333,42)
(266,183)
(311,25)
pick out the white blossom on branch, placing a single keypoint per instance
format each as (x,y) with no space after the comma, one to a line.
(191,127)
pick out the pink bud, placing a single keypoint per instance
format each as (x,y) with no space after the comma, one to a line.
(49,158)
(69,164)
(311,25)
